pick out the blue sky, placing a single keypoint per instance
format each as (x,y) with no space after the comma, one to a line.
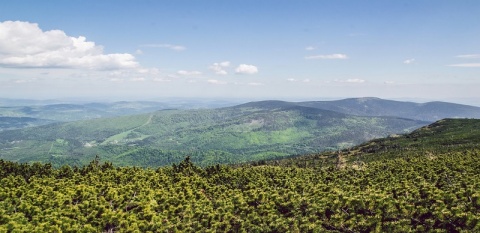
(425,50)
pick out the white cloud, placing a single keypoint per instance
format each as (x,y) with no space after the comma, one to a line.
(24,44)
(139,52)
(216,82)
(468,56)
(310,48)
(355,80)
(150,71)
(188,73)
(255,84)
(246,69)
(219,67)
(466,65)
(352,80)
(224,64)
(167,46)
(297,80)
(409,61)
(328,56)
(128,73)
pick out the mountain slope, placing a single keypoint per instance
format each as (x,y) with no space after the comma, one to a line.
(243,133)
(431,111)
(9,123)
(444,136)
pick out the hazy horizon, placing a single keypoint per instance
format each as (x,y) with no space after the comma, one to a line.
(287,50)
(227,100)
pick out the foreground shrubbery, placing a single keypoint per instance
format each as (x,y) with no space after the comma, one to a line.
(421,193)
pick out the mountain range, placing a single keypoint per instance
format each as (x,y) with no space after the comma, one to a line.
(242,133)
(430,111)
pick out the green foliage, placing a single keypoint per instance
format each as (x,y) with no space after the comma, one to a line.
(228,135)
(444,136)
(411,193)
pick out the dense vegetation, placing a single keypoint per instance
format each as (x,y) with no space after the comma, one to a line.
(244,133)
(428,180)
(8,123)
(411,193)
(444,136)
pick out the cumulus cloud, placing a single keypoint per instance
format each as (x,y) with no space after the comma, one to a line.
(310,48)
(24,44)
(246,69)
(409,61)
(328,56)
(167,46)
(291,80)
(219,67)
(255,84)
(188,73)
(466,65)
(469,56)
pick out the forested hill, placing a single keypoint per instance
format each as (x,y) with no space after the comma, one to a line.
(236,134)
(7,123)
(41,113)
(443,136)
(439,192)
(430,111)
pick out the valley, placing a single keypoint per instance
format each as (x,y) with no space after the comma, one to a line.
(253,131)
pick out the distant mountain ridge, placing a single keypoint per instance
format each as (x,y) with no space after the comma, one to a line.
(49,111)
(370,106)
(242,133)
(235,134)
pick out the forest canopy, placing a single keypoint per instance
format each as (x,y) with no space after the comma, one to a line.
(411,193)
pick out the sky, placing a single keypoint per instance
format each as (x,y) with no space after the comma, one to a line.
(250,49)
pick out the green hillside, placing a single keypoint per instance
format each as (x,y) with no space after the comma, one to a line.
(9,123)
(444,136)
(414,194)
(250,132)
